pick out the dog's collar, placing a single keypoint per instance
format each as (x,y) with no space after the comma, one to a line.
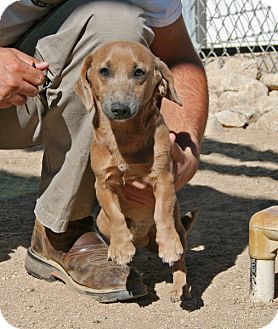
(124,166)
(131,172)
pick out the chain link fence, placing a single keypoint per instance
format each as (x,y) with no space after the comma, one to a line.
(221,28)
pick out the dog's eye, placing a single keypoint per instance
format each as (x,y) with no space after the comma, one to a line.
(138,73)
(104,72)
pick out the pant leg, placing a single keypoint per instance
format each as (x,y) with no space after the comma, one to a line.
(19,126)
(67,183)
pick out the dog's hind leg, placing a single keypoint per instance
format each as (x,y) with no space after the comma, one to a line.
(180,289)
(169,245)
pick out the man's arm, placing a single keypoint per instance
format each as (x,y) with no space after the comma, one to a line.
(172,44)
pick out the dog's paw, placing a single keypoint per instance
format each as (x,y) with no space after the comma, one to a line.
(171,251)
(180,294)
(122,254)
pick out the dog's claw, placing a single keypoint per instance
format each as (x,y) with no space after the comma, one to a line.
(175,299)
(122,255)
(172,253)
(180,294)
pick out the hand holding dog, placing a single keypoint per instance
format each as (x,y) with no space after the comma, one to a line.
(185,166)
(185,163)
(18,79)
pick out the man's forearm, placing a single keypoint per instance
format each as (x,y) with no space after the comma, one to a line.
(188,121)
(173,45)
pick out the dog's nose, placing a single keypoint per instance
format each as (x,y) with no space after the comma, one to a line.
(120,111)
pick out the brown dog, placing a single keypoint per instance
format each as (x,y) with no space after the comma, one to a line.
(123,81)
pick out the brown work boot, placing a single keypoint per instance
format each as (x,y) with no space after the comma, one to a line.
(78,257)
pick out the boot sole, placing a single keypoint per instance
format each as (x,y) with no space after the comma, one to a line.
(45,269)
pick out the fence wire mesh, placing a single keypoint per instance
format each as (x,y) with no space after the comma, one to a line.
(221,28)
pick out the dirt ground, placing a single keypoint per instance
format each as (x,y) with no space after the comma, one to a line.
(237,177)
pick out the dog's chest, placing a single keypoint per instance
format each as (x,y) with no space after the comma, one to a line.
(141,231)
(134,172)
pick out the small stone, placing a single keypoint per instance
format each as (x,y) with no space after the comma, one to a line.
(267,104)
(246,66)
(229,99)
(213,125)
(273,93)
(255,89)
(250,112)
(269,121)
(231,119)
(270,80)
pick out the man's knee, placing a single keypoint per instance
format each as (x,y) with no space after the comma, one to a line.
(118,20)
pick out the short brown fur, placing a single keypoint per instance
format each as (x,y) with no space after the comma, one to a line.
(123,82)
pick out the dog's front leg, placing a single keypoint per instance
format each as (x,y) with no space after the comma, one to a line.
(169,245)
(121,248)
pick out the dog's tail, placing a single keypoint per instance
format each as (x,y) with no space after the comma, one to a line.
(189,218)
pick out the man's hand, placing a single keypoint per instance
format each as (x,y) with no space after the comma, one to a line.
(18,79)
(185,166)
(185,163)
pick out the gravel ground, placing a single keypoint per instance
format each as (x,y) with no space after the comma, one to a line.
(237,177)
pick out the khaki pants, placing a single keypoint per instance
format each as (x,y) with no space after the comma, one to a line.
(59,122)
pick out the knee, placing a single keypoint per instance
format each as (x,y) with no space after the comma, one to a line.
(119,20)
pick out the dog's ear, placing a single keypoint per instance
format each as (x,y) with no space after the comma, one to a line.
(166,87)
(83,86)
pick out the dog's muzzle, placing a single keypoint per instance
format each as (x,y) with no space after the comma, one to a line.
(120,110)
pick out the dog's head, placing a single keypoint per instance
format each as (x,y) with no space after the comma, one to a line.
(122,77)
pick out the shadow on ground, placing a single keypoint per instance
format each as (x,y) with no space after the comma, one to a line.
(222,226)
(222,230)
(17,201)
